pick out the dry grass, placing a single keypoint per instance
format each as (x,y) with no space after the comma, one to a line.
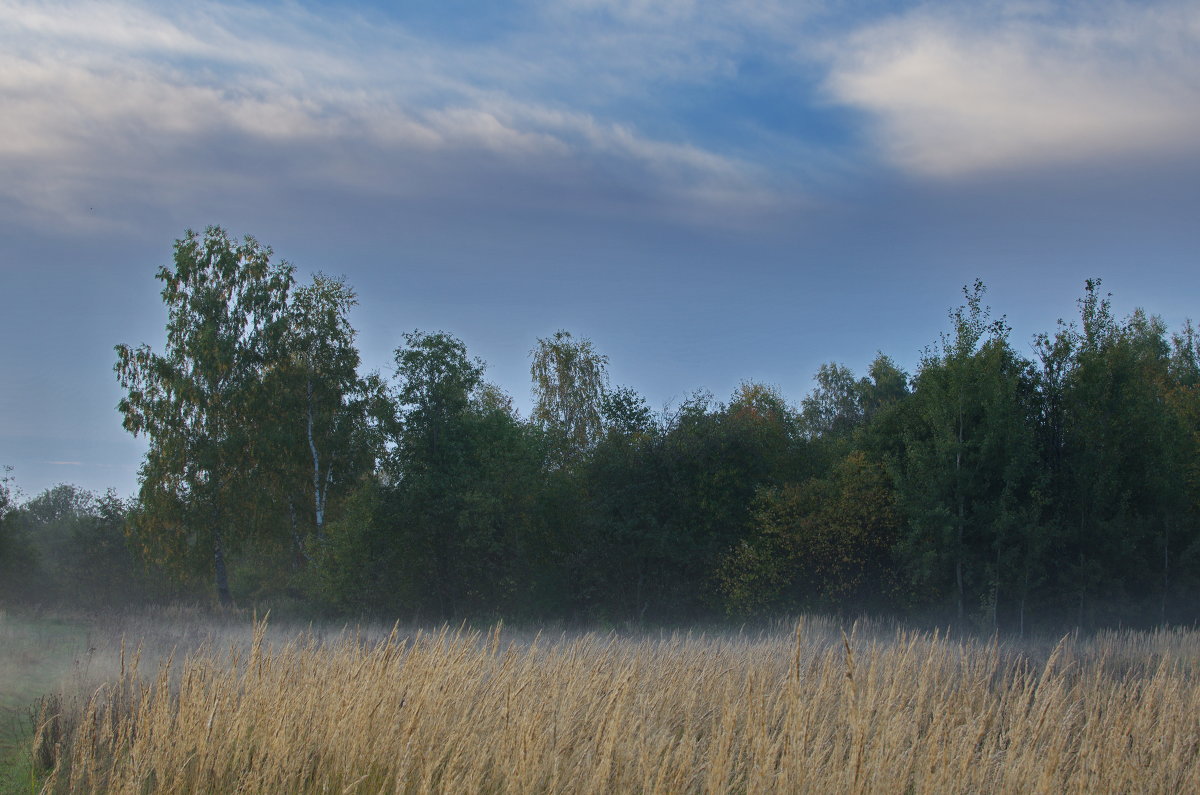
(462,711)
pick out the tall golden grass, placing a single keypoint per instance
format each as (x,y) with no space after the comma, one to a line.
(464,711)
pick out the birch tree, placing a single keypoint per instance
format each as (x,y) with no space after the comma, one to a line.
(199,403)
(569,383)
(330,410)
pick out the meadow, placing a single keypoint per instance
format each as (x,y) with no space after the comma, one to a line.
(38,654)
(227,705)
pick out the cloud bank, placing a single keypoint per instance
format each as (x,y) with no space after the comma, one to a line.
(958,89)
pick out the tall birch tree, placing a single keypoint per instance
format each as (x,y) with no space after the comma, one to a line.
(330,411)
(569,383)
(199,403)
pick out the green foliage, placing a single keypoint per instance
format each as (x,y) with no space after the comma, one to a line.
(202,403)
(835,406)
(458,508)
(329,431)
(1120,446)
(988,487)
(664,505)
(621,561)
(70,546)
(82,547)
(569,383)
(821,544)
(843,413)
(355,567)
(17,556)
(626,414)
(969,462)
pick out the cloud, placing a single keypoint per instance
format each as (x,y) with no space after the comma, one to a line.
(682,110)
(963,88)
(162,100)
(64,463)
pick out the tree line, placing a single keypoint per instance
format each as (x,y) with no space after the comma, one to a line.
(990,488)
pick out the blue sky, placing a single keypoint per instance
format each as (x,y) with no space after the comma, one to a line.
(711,192)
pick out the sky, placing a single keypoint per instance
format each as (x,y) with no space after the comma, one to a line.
(710,192)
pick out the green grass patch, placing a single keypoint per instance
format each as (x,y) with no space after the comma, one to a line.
(37,655)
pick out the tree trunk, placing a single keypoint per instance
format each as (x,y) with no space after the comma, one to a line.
(318,493)
(958,484)
(299,555)
(1024,594)
(223,594)
(1166,570)
(996,594)
(1082,592)
(958,562)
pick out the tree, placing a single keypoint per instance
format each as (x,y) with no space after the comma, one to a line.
(619,552)
(6,500)
(82,554)
(1119,445)
(53,521)
(822,543)
(329,416)
(625,413)
(201,402)
(835,406)
(569,384)
(17,557)
(968,461)
(687,501)
(430,467)
(455,531)
(838,412)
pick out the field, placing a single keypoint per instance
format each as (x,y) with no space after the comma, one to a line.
(221,705)
(38,655)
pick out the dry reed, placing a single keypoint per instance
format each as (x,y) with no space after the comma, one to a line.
(462,711)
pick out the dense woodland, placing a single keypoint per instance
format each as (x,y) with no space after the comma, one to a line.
(988,488)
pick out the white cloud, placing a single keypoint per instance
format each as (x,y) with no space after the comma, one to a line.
(961,89)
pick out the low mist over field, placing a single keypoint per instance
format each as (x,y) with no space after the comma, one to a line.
(204,703)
